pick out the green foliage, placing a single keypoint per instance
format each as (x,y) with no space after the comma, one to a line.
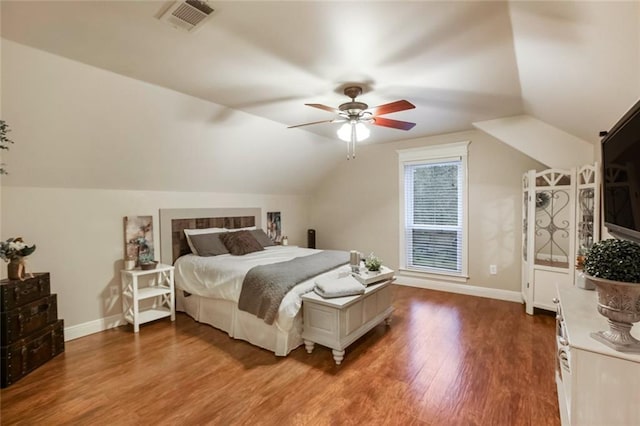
(616,260)
(4,142)
(145,257)
(372,263)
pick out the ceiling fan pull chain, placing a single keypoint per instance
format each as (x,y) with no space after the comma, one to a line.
(353,149)
(353,140)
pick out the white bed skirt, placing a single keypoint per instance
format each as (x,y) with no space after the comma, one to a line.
(225,315)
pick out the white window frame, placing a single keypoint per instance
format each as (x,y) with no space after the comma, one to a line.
(434,154)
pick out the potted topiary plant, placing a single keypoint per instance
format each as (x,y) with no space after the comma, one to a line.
(613,266)
(146,261)
(373,263)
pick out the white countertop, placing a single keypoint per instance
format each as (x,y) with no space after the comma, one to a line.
(579,309)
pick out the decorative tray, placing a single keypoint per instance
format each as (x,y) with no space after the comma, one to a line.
(368,277)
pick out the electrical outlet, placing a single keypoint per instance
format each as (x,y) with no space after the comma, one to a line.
(493,269)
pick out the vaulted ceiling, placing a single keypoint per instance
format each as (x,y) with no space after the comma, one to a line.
(574,65)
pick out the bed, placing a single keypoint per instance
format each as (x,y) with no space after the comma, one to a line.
(213,299)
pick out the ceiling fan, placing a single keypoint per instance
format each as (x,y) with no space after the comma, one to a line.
(356,114)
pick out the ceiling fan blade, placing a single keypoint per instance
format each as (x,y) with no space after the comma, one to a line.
(394,124)
(317,122)
(391,107)
(324,107)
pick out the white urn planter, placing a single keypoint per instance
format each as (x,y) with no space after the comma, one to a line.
(619,302)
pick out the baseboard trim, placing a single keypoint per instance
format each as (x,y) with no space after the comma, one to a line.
(491,293)
(87,328)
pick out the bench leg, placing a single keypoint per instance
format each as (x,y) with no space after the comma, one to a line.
(338,356)
(308,345)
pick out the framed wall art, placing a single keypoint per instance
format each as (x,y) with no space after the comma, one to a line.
(274,226)
(138,237)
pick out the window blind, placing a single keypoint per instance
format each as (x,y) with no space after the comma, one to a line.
(434,215)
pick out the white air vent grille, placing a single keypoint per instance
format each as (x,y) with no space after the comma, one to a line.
(187,15)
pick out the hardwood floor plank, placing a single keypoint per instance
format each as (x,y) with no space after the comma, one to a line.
(446,359)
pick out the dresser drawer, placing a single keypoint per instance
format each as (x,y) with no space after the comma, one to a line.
(25,355)
(16,293)
(21,322)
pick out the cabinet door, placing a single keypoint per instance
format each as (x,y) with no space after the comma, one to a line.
(321,324)
(546,284)
(354,316)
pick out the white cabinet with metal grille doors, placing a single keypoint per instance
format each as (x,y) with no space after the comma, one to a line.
(560,213)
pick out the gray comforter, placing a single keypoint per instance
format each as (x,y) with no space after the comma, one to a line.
(265,286)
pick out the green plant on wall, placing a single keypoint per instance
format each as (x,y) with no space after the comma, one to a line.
(4,142)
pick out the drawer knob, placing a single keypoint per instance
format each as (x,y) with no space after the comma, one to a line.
(555,300)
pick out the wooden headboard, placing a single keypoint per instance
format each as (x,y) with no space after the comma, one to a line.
(173,222)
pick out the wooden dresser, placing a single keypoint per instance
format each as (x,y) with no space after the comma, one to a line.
(30,331)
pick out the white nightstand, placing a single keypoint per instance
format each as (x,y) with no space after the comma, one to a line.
(158,295)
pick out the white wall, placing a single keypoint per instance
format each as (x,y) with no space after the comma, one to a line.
(77,126)
(79,238)
(356,206)
(578,62)
(551,146)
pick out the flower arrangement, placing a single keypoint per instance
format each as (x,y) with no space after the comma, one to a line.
(14,249)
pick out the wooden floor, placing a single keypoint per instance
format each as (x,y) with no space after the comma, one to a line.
(446,359)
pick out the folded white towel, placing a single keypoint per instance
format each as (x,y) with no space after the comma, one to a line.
(333,286)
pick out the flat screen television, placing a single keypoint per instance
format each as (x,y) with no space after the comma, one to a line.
(621,176)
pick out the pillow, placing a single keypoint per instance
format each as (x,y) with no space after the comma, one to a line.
(262,238)
(240,242)
(208,244)
(247,228)
(189,232)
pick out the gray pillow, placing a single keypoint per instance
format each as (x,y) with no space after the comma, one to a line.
(208,244)
(240,242)
(262,238)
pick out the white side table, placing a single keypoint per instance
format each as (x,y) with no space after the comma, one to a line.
(159,292)
(338,322)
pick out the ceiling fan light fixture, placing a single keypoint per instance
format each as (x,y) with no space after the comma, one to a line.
(356,115)
(362,132)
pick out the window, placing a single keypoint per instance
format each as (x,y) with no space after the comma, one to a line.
(433,235)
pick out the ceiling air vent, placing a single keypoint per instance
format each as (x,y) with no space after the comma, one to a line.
(188,14)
